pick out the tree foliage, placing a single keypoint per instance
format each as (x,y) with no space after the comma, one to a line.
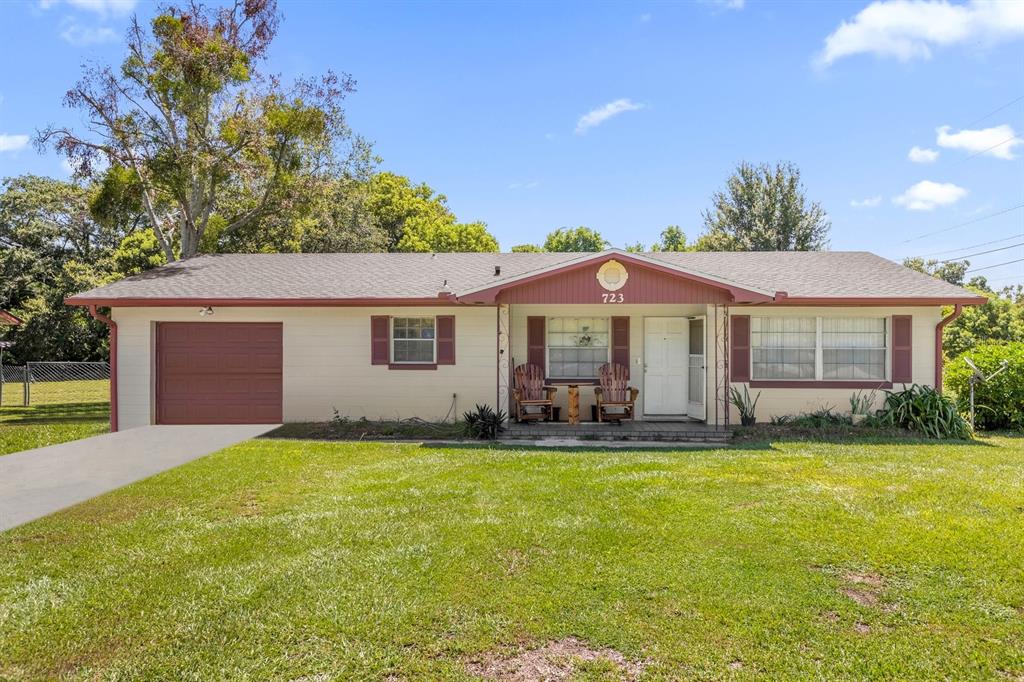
(209,139)
(575,239)
(672,239)
(764,208)
(526,248)
(999,402)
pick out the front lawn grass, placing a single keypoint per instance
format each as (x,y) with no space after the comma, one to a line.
(283,559)
(35,426)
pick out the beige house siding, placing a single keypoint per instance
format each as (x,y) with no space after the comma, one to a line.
(327,358)
(792,401)
(327,363)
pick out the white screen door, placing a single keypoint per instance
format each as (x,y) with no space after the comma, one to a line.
(698,370)
(666,365)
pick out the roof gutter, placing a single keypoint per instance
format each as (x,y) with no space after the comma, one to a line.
(113,363)
(939,357)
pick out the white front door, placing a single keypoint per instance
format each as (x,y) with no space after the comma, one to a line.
(666,365)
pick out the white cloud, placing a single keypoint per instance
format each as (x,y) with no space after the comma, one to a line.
(83,36)
(926,195)
(101,7)
(12,143)
(910,29)
(594,118)
(997,141)
(727,4)
(870,202)
(922,155)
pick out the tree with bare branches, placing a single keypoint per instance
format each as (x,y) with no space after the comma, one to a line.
(213,145)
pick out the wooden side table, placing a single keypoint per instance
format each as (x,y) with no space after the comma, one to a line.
(574,404)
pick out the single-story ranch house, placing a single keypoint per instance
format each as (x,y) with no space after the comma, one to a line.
(265,338)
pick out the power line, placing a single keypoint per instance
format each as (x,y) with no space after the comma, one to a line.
(988,149)
(966,222)
(982,253)
(994,111)
(969,246)
(997,265)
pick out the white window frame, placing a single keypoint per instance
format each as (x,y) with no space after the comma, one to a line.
(886,349)
(547,346)
(391,334)
(819,352)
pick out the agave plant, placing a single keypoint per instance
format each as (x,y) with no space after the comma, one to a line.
(923,409)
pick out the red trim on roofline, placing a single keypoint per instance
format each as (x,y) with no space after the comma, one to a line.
(139,302)
(878,301)
(738,293)
(9,318)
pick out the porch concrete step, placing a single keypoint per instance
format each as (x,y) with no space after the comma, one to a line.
(636,431)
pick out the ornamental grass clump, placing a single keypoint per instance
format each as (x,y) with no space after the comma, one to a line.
(924,410)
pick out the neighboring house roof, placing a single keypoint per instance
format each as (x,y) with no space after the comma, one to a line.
(8,318)
(805,277)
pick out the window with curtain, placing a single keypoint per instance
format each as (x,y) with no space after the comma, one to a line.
(412,340)
(783,347)
(577,346)
(853,348)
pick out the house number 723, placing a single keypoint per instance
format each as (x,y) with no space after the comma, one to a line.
(612,298)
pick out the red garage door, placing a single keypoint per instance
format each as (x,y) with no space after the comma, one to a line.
(218,373)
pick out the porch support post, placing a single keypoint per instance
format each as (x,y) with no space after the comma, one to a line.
(504,357)
(721,345)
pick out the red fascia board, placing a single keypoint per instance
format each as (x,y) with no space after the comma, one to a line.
(8,318)
(879,301)
(739,294)
(256,302)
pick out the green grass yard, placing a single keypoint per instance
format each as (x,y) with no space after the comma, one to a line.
(24,428)
(285,559)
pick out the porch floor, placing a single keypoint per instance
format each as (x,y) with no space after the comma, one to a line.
(679,431)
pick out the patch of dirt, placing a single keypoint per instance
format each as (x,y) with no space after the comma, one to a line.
(555,661)
(1014,677)
(736,665)
(830,617)
(862,628)
(862,597)
(872,579)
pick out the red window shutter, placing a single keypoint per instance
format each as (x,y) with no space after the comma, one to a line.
(620,342)
(902,349)
(446,339)
(380,344)
(535,342)
(739,342)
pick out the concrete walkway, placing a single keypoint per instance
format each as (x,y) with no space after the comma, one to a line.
(34,483)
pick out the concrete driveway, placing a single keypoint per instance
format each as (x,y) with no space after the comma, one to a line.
(38,482)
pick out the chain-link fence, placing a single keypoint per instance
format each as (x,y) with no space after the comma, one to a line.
(56,388)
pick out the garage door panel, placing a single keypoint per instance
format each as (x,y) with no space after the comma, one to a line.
(219,373)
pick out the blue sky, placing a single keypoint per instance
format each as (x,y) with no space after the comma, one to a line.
(489,104)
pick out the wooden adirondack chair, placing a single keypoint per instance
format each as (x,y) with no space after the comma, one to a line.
(615,392)
(529,392)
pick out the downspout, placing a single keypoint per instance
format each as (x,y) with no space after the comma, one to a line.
(939,359)
(113,363)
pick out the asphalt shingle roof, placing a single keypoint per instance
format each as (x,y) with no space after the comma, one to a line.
(814,274)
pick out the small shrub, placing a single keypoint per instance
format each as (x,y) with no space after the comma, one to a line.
(860,403)
(483,422)
(746,407)
(821,418)
(999,403)
(925,410)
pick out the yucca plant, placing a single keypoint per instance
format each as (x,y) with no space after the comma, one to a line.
(744,404)
(925,410)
